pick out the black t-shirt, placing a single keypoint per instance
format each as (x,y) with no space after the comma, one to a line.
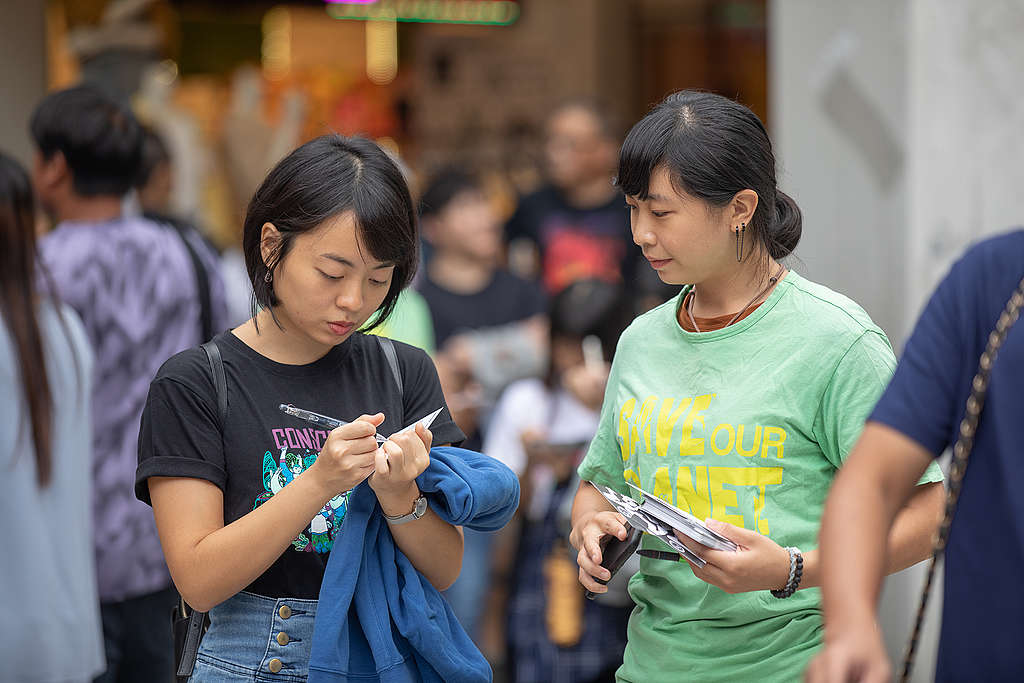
(579,244)
(576,243)
(261,449)
(507,299)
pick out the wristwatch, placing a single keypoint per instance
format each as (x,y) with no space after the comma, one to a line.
(419,508)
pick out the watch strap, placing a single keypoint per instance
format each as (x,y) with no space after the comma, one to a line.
(419,508)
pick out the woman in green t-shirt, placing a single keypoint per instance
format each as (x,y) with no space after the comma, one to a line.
(736,401)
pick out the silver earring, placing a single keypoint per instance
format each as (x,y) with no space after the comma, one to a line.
(269,277)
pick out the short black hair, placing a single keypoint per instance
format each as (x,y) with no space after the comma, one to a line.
(713,148)
(101,141)
(154,153)
(446,185)
(591,307)
(323,178)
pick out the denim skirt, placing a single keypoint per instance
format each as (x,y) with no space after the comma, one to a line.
(254,638)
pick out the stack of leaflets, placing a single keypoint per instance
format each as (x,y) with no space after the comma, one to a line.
(657,518)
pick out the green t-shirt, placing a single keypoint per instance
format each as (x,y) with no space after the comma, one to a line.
(410,322)
(748,425)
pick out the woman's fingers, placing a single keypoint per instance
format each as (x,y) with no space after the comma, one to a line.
(426,436)
(588,582)
(612,523)
(394,453)
(382,461)
(587,563)
(377,419)
(699,548)
(592,571)
(367,444)
(364,425)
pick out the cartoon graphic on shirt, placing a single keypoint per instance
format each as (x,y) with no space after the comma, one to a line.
(278,473)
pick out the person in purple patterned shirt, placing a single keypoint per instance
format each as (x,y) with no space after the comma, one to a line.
(133,283)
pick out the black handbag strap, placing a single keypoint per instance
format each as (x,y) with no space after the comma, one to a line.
(961,453)
(197,619)
(392,356)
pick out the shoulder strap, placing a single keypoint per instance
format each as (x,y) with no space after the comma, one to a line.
(202,279)
(961,453)
(219,380)
(392,356)
(197,620)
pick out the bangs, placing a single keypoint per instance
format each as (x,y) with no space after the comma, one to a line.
(386,223)
(643,151)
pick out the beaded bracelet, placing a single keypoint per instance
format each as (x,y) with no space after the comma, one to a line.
(796,572)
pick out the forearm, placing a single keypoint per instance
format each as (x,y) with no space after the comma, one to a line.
(887,534)
(432,545)
(854,554)
(226,560)
(913,529)
(909,541)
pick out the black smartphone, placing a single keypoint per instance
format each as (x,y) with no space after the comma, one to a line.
(614,553)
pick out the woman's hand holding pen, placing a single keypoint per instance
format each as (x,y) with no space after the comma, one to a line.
(348,457)
(759,564)
(398,462)
(587,536)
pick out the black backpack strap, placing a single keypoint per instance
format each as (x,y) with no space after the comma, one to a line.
(219,379)
(197,619)
(392,356)
(198,269)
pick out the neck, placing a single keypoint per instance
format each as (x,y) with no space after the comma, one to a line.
(88,209)
(729,292)
(589,194)
(460,273)
(280,346)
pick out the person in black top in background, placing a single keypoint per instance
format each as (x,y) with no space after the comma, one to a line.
(248,509)
(490,325)
(491,329)
(577,226)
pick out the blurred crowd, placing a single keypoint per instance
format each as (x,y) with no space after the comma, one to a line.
(521,313)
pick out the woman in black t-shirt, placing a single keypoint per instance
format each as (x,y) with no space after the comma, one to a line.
(248,507)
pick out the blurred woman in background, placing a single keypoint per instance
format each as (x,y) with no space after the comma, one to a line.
(45,513)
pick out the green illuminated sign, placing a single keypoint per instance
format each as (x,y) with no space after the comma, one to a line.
(482,12)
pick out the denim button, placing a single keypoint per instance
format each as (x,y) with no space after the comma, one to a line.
(285,611)
(282,638)
(274,665)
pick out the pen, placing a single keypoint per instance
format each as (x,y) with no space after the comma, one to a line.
(316,418)
(659,555)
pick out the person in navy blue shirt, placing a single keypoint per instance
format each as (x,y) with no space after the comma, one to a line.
(916,419)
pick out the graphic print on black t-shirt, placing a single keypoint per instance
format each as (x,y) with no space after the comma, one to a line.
(259,450)
(299,450)
(576,243)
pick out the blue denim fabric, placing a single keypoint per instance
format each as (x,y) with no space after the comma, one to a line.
(242,641)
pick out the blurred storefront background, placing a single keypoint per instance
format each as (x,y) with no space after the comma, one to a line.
(897,122)
(233,85)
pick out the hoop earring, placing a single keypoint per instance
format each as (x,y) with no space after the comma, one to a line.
(740,231)
(269,277)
